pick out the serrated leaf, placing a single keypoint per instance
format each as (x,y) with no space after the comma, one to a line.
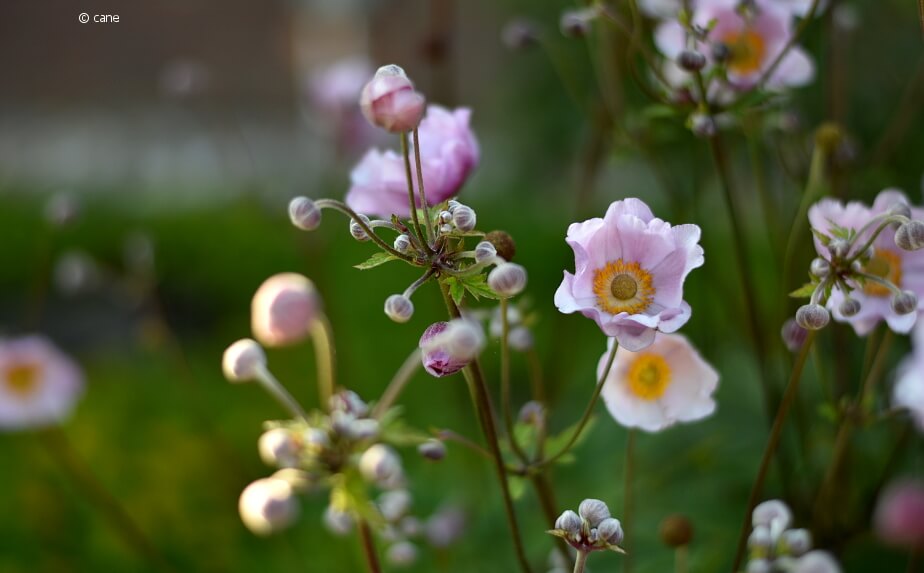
(478,287)
(805,291)
(456,290)
(375,260)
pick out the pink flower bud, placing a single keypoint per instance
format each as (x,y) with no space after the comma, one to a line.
(900,515)
(445,347)
(283,309)
(390,101)
(268,505)
(243,360)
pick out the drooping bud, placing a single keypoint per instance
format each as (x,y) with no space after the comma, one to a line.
(691,61)
(304,214)
(905,302)
(402,243)
(278,448)
(503,243)
(357,231)
(812,316)
(793,335)
(464,218)
(433,450)
(610,530)
(569,522)
(381,465)
(390,101)
(507,279)
(760,538)
(243,360)
(820,268)
(676,531)
(399,308)
(900,209)
(910,236)
(772,513)
(283,309)
(267,505)
(849,307)
(435,357)
(594,511)
(484,251)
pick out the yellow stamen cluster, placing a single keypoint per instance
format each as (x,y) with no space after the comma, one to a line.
(623,286)
(747,51)
(22,379)
(649,376)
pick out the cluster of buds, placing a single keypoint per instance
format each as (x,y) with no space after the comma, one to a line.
(849,263)
(590,529)
(519,336)
(775,548)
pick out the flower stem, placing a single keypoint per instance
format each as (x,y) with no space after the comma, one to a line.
(100,498)
(397,384)
(627,499)
(346,210)
(776,431)
(506,407)
(368,545)
(279,393)
(588,412)
(479,389)
(581,562)
(420,189)
(412,203)
(681,559)
(325,354)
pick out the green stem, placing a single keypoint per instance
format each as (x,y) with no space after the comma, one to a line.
(279,393)
(420,189)
(776,431)
(506,406)
(412,204)
(322,336)
(346,210)
(581,562)
(588,412)
(368,546)
(627,509)
(814,188)
(681,559)
(398,383)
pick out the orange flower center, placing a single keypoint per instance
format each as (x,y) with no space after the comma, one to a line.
(747,51)
(623,287)
(22,379)
(649,376)
(884,264)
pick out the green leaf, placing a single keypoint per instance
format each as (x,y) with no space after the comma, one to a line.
(517,487)
(375,260)
(478,287)
(805,291)
(456,290)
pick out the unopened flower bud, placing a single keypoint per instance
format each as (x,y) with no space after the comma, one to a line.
(445,217)
(363,429)
(610,530)
(304,214)
(357,231)
(390,101)
(905,302)
(532,413)
(760,538)
(594,511)
(434,450)
(759,566)
(900,209)
(463,339)
(337,521)
(702,125)
(772,513)
(243,360)
(812,316)
(437,361)
(350,402)
(401,554)
(393,505)
(464,218)
(278,448)
(793,335)
(820,268)
(816,562)
(568,521)
(484,251)
(797,542)
(315,439)
(283,309)
(676,531)
(503,243)
(519,34)
(381,465)
(76,272)
(507,279)
(399,308)
(445,229)
(576,23)
(899,517)
(691,61)
(445,527)
(267,505)
(520,339)
(721,52)
(839,248)
(910,236)
(849,307)
(402,243)
(829,136)
(62,209)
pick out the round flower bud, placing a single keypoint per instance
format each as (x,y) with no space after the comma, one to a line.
(816,562)
(503,243)
(463,339)
(910,236)
(594,511)
(437,360)
(849,307)
(390,101)
(337,522)
(283,309)
(759,566)
(464,218)
(507,279)
(381,465)
(363,429)
(402,243)
(315,439)
(410,526)
(520,339)
(76,272)
(357,231)
(820,268)
(445,217)
(691,61)
(445,229)
(445,527)
(278,448)
(772,513)
(484,252)
(905,302)
(568,521)
(519,34)
(797,542)
(349,402)
(399,308)
(839,248)
(267,505)
(899,517)
(812,316)
(304,214)
(576,23)
(452,205)
(793,335)
(393,505)
(532,413)
(760,538)
(401,554)
(702,125)
(829,136)
(900,209)
(243,360)
(676,531)
(610,530)
(433,450)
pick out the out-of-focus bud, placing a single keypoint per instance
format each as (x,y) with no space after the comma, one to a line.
(357,231)
(76,272)
(519,34)
(812,316)
(283,309)
(402,243)
(464,218)
(829,136)
(816,562)
(447,347)
(899,517)
(381,465)
(576,23)
(278,448)
(337,522)
(304,214)
(910,236)
(568,521)
(243,360)
(760,539)
(507,279)
(610,530)
(445,527)
(484,251)
(503,243)
(849,307)
(393,505)
(820,268)
(703,125)
(401,554)
(793,335)
(900,209)
(349,402)
(434,450)
(300,481)
(721,52)
(533,413)
(691,60)
(520,339)
(676,531)
(905,302)
(594,511)
(62,209)
(772,513)
(399,308)
(390,101)
(315,440)
(797,542)
(363,429)
(267,505)
(759,566)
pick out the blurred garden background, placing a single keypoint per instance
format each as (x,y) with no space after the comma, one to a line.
(145,168)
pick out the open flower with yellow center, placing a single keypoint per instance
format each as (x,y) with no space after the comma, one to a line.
(38,384)
(752,38)
(629,273)
(655,388)
(904,269)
